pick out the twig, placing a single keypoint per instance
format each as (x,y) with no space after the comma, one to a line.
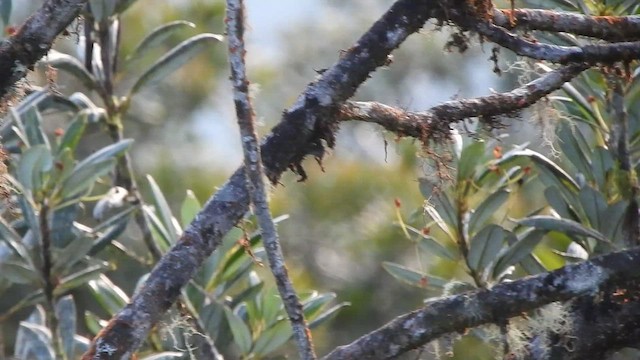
(460,312)
(33,39)
(610,28)
(435,122)
(255,178)
(289,141)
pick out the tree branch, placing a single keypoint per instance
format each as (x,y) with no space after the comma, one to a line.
(33,39)
(301,132)
(460,312)
(466,18)
(610,28)
(255,179)
(434,123)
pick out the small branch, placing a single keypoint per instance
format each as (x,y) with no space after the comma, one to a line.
(466,19)
(610,28)
(255,178)
(301,131)
(33,39)
(48,279)
(460,312)
(435,122)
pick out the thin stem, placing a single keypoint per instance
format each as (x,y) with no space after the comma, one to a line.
(49,281)
(255,178)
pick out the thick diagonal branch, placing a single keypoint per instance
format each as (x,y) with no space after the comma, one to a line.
(33,39)
(304,124)
(255,179)
(460,312)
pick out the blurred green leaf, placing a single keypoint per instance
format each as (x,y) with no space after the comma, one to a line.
(594,205)
(19,273)
(487,209)
(241,333)
(556,201)
(93,322)
(550,223)
(517,251)
(174,59)
(157,36)
(602,163)
(430,246)
(107,152)
(5,11)
(107,294)
(271,339)
(33,342)
(82,179)
(165,355)
(35,162)
(572,149)
(327,315)
(33,128)
(471,157)
(163,211)
(80,278)
(71,254)
(189,209)
(73,66)
(102,9)
(412,277)
(314,304)
(485,246)
(73,132)
(66,313)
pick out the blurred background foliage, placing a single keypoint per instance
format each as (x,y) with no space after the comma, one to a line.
(360,226)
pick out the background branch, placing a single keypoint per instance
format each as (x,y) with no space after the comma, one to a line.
(255,178)
(610,28)
(33,39)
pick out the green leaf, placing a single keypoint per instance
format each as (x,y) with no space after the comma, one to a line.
(602,162)
(556,201)
(5,11)
(430,246)
(107,152)
(240,331)
(71,254)
(314,304)
(327,315)
(487,209)
(107,238)
(102,9)
(80,278)
(82,179)
(61,228)
(66,313)
(519,250)
(73,132)
(158,231)
(108,295)
(73,66)
(35,162)
(174,59)
(550,223)
(163,211)
(576,154)
(13,240)
(471,157)
(33,128)
(412,277)
(124,5)
(93,322)
(485,246)
(19,273)
(271,339)
(189,209)
(33,342)
(157,36)
(594,205)
(543,163)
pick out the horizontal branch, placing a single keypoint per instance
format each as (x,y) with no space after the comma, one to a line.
(610,28)
(460,312)
(300,132)
(464,16)
(435,122)
(33,39)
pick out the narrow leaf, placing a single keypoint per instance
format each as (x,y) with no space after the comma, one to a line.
(550,223)
(485,246)
(72,66)
(157,36)
(66,313)
(240,331)
(519,250)
(174,59)
(486,210)
(412,277)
